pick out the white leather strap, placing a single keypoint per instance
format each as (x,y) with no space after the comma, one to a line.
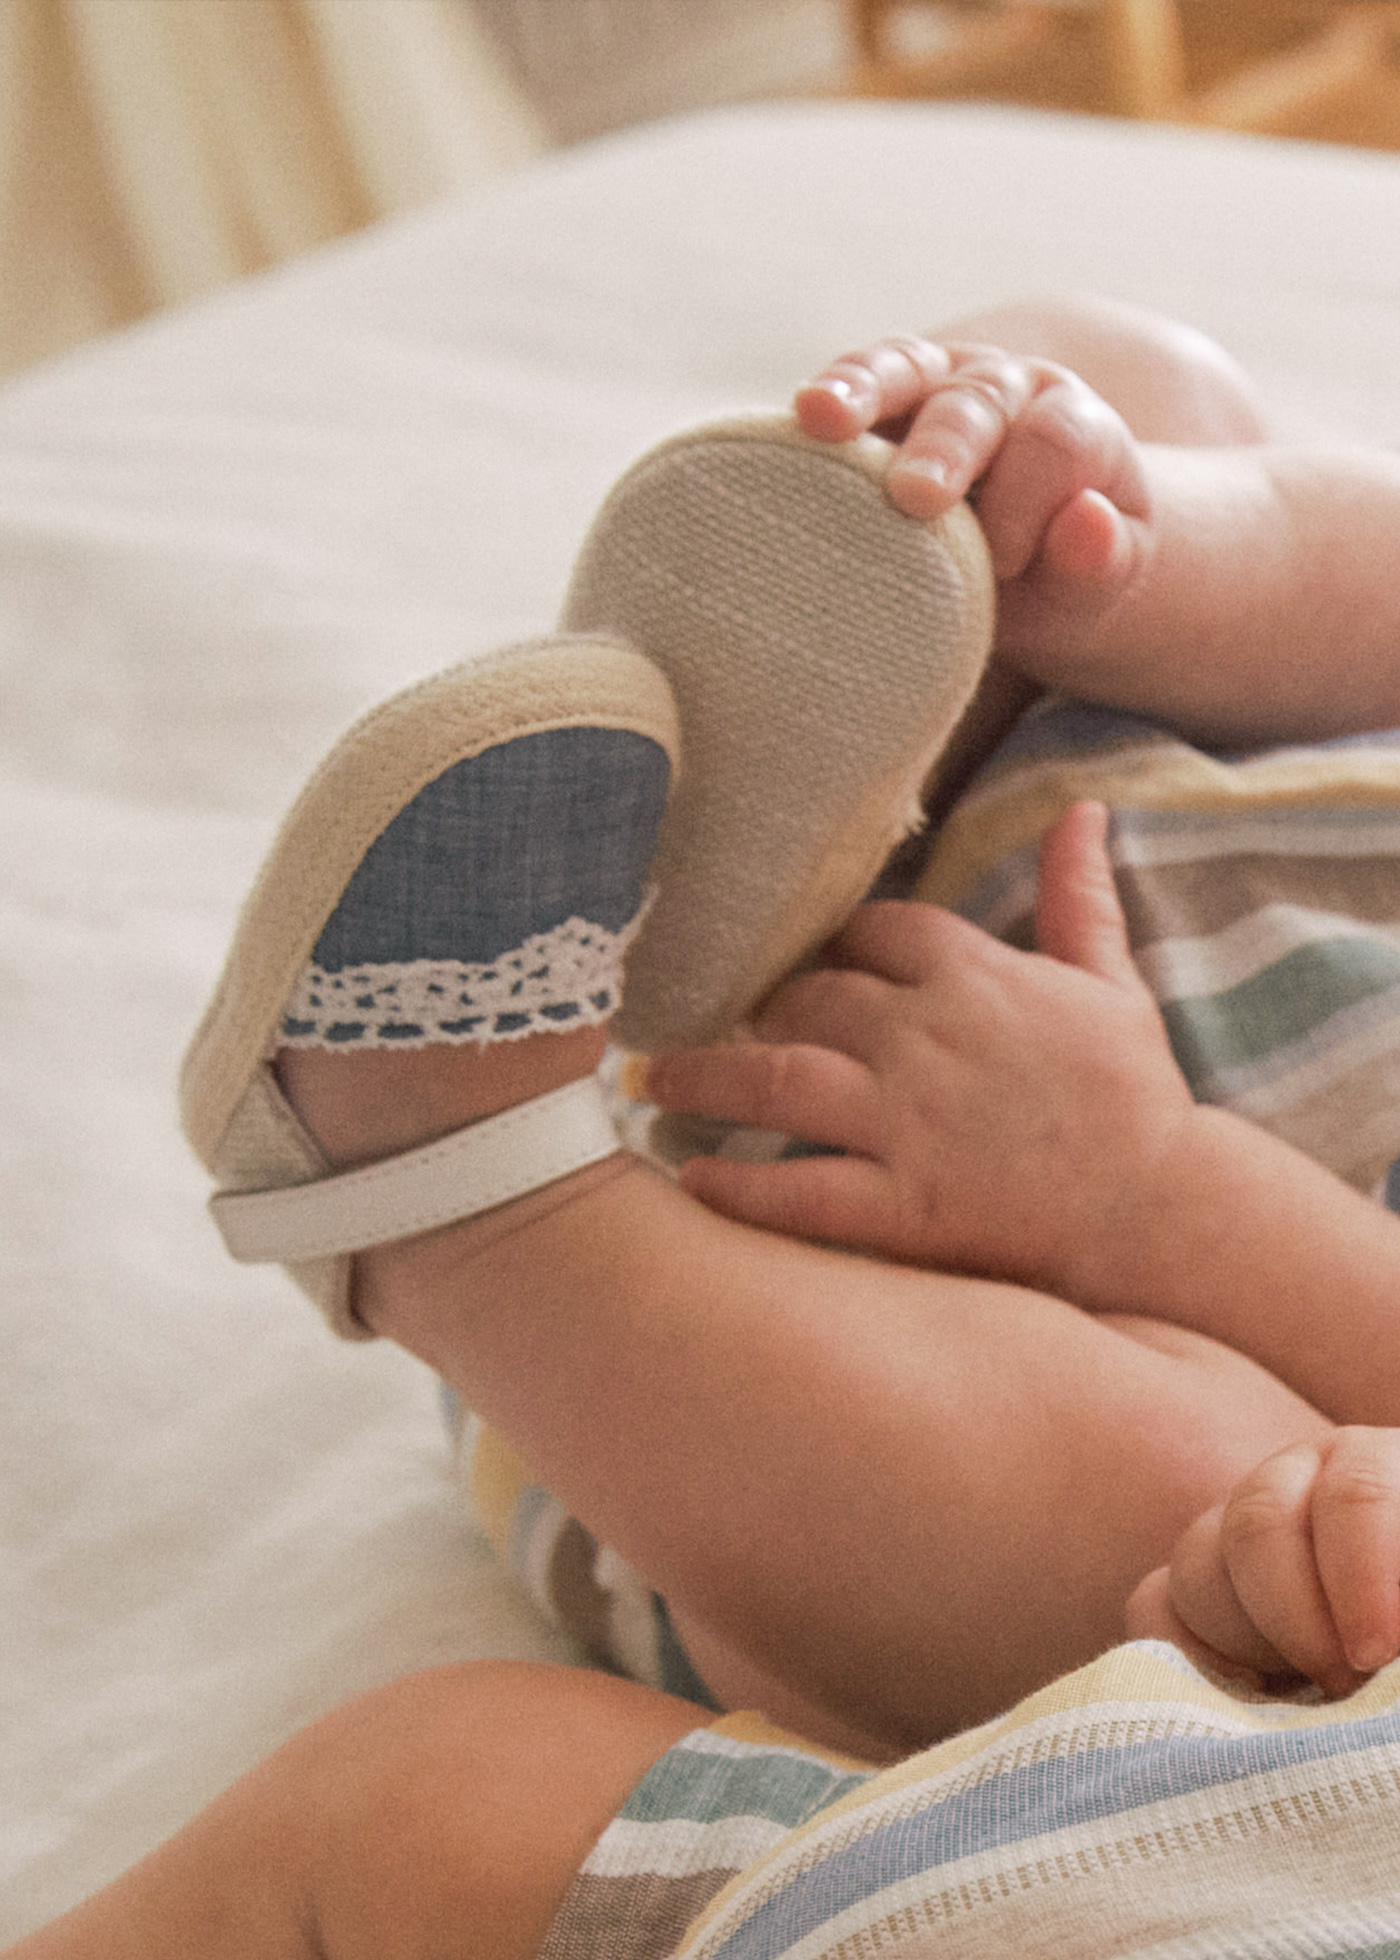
(469,1171)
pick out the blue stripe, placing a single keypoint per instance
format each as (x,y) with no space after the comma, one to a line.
(1347,1024)
(1095,1788)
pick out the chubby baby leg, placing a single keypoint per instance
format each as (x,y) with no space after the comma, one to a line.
(448,1811)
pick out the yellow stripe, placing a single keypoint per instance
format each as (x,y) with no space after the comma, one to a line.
(498,1476)
(1125,1675)
(1014,809)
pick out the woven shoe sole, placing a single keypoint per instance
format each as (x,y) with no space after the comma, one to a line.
(821,647)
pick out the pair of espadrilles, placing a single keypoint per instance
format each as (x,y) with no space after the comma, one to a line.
(759,664)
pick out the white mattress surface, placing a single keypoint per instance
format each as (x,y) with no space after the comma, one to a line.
(222,536)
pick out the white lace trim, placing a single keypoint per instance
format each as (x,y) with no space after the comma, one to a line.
(568,977)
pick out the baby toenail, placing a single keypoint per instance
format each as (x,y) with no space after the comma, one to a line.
(927,469)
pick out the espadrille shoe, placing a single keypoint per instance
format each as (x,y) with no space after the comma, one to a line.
(474,858)
(820,647)
(468,864)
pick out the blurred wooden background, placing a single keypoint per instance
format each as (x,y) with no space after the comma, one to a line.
(1327,70)
(152,150)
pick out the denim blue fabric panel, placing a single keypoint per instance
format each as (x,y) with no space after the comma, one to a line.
(505,845)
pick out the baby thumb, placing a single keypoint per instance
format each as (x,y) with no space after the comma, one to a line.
(1078,918)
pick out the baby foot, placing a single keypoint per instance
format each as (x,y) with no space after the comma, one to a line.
(466,869)
(1051,469)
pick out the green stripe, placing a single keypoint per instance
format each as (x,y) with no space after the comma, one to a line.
(1278,1007)
(703,1789)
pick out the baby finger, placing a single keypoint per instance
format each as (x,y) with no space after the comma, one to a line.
(1267,1545)
(841,1200)
(1150,1614)
(959,429)
(799,1090)
(1356,1541)
(847,1011)
(877,385)
(1201,1596)
(1067,440)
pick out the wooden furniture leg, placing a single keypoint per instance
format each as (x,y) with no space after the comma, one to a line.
(1146,57)
(1270,95)
(981,48)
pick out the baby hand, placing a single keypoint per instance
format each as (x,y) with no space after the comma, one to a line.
(1002,1112)
(1296,1574)
(1052,471)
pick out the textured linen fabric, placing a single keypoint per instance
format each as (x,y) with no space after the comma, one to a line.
(1262,893)
(1131,1811)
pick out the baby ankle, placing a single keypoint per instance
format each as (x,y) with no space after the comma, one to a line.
(420,1291)
(364,1105)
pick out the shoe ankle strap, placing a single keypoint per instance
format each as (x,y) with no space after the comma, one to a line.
(472,1170)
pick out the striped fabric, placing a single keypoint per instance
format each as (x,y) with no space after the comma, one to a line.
(585,1589)
(721,1798)
(1263,902)
(1131,1809)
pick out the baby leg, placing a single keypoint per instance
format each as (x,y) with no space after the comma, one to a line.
(902,1497)
(449,1811)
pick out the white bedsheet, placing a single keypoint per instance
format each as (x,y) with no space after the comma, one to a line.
(223,535)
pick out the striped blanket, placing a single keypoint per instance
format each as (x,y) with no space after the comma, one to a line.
(1263,900)
(1131,1809)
